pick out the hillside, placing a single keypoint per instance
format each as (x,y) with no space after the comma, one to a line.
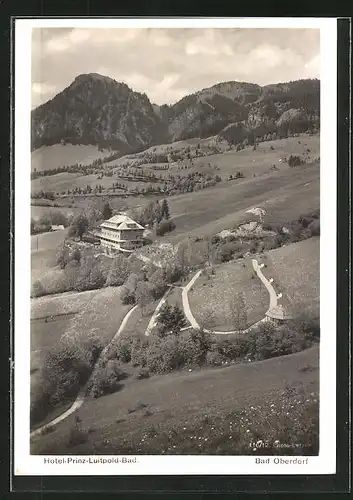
(97,110)
(163,414)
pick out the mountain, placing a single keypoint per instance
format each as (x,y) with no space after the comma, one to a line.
(97,110)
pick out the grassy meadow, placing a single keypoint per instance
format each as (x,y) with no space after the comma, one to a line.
(295,269)
(212,297)
(219,410)
(49,157)
(174,414)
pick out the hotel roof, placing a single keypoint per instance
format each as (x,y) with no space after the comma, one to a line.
(121,221)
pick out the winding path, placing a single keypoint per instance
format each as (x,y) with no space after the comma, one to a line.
(82,394)
(191,318)
(268,285)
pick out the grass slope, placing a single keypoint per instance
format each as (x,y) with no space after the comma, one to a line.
(284,195)
(170,413)
(43,255)
(101,314)
(295,269)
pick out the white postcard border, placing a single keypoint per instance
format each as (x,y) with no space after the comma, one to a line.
(325,463)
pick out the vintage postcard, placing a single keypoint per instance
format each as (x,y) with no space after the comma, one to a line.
(175,246)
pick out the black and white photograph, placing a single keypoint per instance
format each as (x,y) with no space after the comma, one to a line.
(175,308)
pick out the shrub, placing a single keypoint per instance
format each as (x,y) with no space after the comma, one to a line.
(214,358)
(193,346)
(118,272)
(165,227)
(125,345)
(294,161)
(163,354)
(225,251)
(127,296)
(58,218)
(138,351)
(76,436)
(91,275)
(158,280)
(314,227)
(106,380)
(37,289)
(68,365)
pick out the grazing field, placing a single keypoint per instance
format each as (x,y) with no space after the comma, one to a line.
(64,303)
(50,317)
(212,298)
(37,211)
(284,195)
(100,314)
(261,160)
(44,336)
(47,241)
(64,181)
(192,413)
(43,256)
(57,155)
(295,269)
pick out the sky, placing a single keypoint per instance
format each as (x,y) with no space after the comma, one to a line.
(168,64)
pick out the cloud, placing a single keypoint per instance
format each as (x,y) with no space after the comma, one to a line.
(167,64)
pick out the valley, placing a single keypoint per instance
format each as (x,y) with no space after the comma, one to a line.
(114,353)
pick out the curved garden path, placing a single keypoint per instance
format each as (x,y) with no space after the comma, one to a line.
(191,318)
(268,285)
(82,394)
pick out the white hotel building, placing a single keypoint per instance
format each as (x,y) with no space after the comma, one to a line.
(120,233)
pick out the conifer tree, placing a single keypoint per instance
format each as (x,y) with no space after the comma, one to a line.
(165,209)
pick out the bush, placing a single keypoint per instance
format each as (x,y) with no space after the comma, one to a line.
(106,380)
(124,346)
(226,251)
(76,436)
(65,255)
(294,161)
(158,280)
(68,365)
(165,227)
(91,275)
(214,358)
(138,350)
(314,227)
(163,354)
(127,296)
(58,218)
(37,289)
(118,272)
(194,345)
